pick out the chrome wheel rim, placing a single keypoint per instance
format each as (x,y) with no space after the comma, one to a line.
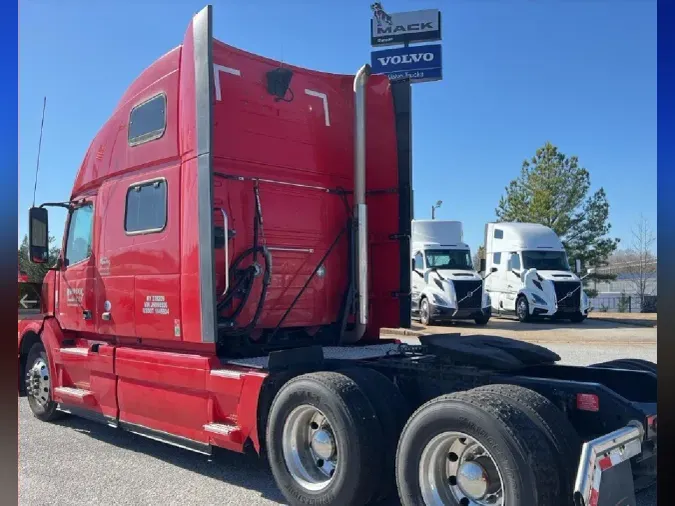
(309,447)
(424,312)
(455,469)
(522,309)
(37,382)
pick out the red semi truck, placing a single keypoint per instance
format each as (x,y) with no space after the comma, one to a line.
(237,234)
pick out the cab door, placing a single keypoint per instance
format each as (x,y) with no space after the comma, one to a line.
(77,282)
(513,281)
(417,282)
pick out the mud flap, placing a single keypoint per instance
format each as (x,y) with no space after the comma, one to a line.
(616,487)
(605,475)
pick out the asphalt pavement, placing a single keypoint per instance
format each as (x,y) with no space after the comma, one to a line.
(77,462)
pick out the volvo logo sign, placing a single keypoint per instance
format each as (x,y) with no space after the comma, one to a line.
(416,64)
(406,58)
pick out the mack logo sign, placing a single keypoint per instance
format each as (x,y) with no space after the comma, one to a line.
(417,64)
(404,27)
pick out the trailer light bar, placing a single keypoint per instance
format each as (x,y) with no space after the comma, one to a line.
(588,402)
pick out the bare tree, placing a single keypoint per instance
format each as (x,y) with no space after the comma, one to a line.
(477,256)
(639,261)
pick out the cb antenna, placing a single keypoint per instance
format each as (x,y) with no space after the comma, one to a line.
(37,168)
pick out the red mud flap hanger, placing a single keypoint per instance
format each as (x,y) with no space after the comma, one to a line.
(605,476)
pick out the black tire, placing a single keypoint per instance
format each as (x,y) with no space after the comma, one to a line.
(392,412)
(577,317)
(352,418)
(632,364)
(514,442)
(425,312)
(45,411)
(566,443)
(482,320)
(522,309)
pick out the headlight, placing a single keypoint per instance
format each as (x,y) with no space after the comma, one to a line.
(440,301)
(538,300)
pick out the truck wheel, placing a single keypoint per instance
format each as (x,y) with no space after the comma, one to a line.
(577,317)
(392,412)
(475,448)
(322,441)
(550,420)
(523,309)
(633,364)
(38,385)
(425,312)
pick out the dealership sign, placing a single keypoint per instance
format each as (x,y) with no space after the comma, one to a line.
(404,27)
(416,64)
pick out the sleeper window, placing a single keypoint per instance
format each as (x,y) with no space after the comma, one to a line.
(146,207)
(496,258)
(147,121)
(499,233)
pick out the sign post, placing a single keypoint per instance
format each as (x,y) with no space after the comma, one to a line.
(414,64)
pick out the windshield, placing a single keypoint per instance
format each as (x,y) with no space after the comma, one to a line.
(545,260)
(449,259)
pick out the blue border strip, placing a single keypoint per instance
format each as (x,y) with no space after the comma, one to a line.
(666,240)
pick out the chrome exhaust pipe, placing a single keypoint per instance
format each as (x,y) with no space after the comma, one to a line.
(360,210)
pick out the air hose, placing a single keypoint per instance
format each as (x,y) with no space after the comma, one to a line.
(244,278)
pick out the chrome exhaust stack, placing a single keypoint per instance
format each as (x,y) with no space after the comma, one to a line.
(360,210)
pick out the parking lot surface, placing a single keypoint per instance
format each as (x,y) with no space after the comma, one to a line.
(590,331)
(77,462)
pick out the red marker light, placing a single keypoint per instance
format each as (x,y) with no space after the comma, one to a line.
(588,402)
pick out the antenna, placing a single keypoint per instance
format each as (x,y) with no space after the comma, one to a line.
(37,168)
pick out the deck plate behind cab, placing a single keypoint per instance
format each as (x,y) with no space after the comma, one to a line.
(490,352)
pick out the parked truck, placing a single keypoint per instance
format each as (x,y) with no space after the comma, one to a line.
(237,234)
(445,286)
(528,274)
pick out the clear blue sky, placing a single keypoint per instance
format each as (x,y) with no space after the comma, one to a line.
(581,74)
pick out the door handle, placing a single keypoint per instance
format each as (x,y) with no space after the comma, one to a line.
(106,316)
(86,314)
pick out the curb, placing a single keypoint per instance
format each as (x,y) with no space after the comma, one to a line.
(542,342)
(632,323)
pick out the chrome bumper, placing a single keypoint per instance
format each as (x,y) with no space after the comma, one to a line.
(601,455)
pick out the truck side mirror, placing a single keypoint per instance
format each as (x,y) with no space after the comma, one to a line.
(494,269)
(482,265)
(577,266)
(38,235)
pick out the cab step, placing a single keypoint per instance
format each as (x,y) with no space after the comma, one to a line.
(76,396)
(75,351)
(225,435)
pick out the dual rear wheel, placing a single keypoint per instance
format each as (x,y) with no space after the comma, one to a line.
(342,438)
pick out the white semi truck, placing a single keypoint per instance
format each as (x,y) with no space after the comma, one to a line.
(527,274)
(445,285)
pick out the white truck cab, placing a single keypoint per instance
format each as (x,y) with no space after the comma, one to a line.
(445,285)
(527,274)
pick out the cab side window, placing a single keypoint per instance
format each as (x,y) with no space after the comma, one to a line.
(80,231)
(146,207)
(514,261)
(419,261)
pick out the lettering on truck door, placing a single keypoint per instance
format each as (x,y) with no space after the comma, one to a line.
(77,287)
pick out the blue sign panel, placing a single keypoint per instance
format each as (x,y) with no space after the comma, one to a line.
(417,64)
